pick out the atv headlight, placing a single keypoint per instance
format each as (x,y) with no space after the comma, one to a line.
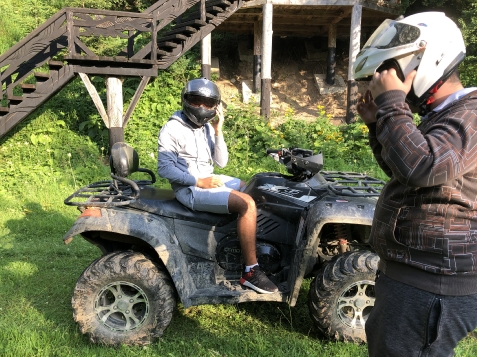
(360,65)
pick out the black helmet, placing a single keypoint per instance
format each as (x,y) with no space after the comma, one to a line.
(200,98)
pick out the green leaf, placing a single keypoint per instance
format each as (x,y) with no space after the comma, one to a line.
(83,124)
(34,139)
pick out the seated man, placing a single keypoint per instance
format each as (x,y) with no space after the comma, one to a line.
(189,146)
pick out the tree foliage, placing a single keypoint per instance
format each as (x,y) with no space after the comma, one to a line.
(464,13)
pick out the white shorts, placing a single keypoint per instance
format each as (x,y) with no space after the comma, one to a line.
(215,200)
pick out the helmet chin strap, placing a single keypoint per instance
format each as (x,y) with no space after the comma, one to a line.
(426,106)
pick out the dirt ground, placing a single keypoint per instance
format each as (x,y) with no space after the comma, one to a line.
(293,84)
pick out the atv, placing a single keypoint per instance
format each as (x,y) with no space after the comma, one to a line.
(310,224)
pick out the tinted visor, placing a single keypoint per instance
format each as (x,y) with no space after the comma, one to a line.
(199,101)
(392,34)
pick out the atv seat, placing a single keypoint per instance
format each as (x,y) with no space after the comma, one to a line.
(162,202)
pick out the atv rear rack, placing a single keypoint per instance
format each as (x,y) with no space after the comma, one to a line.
(353,184)
(106,194)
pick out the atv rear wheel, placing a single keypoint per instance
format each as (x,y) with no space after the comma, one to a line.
(123,298)
(342,295)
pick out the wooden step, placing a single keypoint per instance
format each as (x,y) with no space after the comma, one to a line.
(28,88)
(41,77)
(183,30)
(208,17)
(161,53)
(56,65)
(167,44)
(195,23)
(175,38)
(4,111)
(221,3)
(214,9)
(15,99)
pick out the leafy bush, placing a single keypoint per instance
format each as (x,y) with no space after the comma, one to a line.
(249,135)
(65,142)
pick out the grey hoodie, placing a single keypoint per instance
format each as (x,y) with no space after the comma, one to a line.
(187,153)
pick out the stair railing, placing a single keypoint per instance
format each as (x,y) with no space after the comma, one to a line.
(104,23)
(32,52)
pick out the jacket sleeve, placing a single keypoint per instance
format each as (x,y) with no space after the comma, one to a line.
(168,154)
(423,160)
(220,153)
(376,147)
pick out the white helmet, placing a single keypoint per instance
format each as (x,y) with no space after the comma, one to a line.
(429,42)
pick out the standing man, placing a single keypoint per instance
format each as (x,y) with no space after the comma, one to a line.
(425,223)
(189,146)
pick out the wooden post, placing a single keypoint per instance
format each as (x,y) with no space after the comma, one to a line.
(331,62)
(202,10)
(206,56)
(354,44)
(267,60)
(257,55)
(71,35)
(114,94)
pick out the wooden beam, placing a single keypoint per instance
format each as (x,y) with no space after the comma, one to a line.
(135,99)
(257,56)
(390,7)
(345,13)
(354,45)
(331,60)
(93,93)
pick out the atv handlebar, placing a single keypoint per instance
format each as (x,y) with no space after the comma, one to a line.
(299,162)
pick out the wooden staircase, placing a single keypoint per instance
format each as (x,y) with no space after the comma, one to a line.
(37,67)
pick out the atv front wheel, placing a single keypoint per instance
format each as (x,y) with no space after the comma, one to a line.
(123,298)
(342,295)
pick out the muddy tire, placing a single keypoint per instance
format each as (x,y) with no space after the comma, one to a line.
(123,298)
(342,295)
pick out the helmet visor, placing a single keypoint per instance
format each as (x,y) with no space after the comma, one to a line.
(392,34)
(200,101)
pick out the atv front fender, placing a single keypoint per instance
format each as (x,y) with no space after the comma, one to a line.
(99,225)
(352,210)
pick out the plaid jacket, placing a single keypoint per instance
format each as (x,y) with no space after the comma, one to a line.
(425,223)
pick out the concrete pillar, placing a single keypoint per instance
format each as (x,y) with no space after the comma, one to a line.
(354,46)
(266,60)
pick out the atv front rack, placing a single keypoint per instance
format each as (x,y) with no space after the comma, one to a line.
(353,184)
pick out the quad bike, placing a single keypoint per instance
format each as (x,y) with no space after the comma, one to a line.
(155,250)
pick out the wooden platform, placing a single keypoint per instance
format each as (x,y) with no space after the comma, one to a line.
(311,17)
